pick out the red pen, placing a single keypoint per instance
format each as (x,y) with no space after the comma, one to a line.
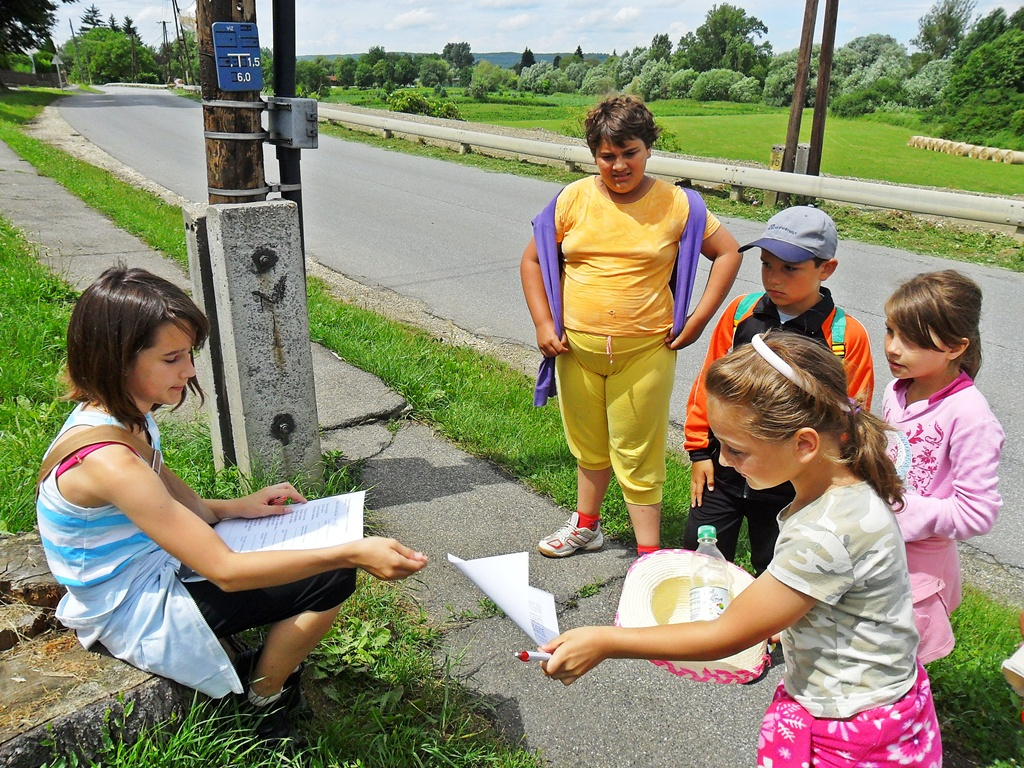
(280,500)
(532,655)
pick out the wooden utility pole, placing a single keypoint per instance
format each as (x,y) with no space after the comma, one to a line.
(828,44)
(803,68)
(231,120)
(78,60)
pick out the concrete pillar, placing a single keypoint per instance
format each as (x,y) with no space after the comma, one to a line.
(209,362)
(259,291)
(803,151)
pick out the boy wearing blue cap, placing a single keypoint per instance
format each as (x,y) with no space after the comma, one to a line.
(798,253)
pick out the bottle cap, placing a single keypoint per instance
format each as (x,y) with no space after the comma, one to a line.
(707,532)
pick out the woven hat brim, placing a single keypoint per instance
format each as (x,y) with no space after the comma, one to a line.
(657,591)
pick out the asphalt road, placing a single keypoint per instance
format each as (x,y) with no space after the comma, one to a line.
(452,237)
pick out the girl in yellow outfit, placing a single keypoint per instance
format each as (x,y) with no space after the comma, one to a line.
(619,234)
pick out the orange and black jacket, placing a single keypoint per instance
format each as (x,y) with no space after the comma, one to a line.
(815,323)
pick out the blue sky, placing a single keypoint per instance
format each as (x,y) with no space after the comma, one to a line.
(601,26)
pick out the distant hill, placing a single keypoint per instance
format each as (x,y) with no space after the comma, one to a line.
(504,59)
(508,59)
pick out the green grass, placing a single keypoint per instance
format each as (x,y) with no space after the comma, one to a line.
(33,321)
(479,403)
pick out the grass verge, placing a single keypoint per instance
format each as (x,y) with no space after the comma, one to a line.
(484,406)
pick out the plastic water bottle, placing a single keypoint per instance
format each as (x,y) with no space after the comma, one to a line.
(709,579)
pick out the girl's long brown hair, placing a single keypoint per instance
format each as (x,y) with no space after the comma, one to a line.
(114,319)
(939,306)
(776,408)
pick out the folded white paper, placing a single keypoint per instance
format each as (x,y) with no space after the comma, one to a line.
(506,580)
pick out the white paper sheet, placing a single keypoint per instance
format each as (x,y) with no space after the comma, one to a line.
(506,580)
(310,525)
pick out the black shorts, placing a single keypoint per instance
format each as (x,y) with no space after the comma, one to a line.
(729,505)
(230,612)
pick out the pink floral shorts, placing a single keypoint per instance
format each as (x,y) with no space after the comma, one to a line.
(905,733)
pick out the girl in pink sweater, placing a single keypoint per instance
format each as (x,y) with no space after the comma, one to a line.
(948,440)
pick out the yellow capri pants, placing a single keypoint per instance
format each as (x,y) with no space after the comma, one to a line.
(613,393)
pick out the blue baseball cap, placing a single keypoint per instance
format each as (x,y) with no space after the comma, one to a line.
(797,234)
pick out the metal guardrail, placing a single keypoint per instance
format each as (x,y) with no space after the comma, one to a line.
(986,209)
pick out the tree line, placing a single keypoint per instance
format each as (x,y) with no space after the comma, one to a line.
(966,76)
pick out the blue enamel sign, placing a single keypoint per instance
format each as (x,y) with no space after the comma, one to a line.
(236,48)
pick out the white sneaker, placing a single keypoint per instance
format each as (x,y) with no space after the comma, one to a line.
(571,538)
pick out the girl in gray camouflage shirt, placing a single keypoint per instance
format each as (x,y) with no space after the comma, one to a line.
(837,590)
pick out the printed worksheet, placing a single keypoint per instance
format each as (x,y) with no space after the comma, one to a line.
(310,525)
(506,580)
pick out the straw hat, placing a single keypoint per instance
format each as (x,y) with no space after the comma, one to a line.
(657,591)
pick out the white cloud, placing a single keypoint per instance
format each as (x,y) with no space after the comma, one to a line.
(626,15)
(508,4)
(518,22)
(419,17)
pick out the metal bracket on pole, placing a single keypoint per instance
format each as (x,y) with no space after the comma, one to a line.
(293,122)
(225,136)
(234,104)
(240,192)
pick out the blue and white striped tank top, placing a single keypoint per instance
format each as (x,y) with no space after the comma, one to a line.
(86,546)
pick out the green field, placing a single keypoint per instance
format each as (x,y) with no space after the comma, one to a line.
(861,148)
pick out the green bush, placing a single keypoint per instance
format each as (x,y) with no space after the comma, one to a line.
(680,83)
(667,141)
(714,84)
(985,94)
(597,82)
(992,117)
(652,83)
(883,92)
(780,82)
(925,89)
(446,109)
(746,91)
(409,101)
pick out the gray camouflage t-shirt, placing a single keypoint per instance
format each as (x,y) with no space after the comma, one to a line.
(856,648)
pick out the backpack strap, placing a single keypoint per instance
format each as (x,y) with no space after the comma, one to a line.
(746,304)
(839,333)
(109,433)
(838,322)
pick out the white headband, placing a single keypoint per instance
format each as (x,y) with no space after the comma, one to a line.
(783,367)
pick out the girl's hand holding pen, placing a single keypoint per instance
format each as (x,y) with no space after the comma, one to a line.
(574,653)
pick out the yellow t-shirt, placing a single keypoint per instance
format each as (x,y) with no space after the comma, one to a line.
(619,258)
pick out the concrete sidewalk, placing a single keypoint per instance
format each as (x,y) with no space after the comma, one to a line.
(438,499)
